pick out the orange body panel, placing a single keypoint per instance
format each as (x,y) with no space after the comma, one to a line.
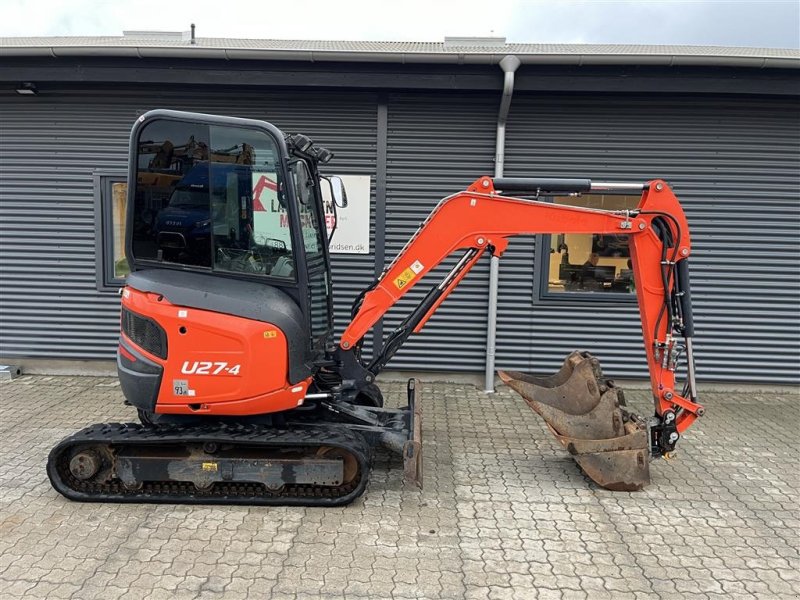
(217,364)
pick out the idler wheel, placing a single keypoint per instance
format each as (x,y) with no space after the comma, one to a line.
(85,465)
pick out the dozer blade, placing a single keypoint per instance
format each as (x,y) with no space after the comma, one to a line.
(583,410)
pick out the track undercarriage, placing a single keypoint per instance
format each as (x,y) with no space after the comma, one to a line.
(321,457)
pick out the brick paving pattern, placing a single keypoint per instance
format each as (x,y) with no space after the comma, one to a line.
(505,514)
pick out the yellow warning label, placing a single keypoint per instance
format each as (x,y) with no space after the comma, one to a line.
(404,279)
(270,334)
(209,466)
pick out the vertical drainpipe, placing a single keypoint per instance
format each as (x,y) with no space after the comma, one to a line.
(509,64)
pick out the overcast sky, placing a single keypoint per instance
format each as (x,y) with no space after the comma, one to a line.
(767,23)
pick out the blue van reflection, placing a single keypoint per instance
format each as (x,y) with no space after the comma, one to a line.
(183,227)
(184,223)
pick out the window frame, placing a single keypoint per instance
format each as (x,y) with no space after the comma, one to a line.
(104,229)
(541,271)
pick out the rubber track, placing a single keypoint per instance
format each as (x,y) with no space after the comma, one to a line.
(134,434)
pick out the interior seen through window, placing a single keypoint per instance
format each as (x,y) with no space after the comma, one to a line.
(591,263)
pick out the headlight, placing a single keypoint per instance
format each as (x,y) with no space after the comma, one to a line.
(205,223)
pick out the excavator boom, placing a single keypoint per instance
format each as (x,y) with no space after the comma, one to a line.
(481,219)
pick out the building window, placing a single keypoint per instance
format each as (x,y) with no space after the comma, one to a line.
(111,193)
(579,266)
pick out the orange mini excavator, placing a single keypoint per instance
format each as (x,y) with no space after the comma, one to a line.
(226,347)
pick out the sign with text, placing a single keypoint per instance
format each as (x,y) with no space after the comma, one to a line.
(352,230)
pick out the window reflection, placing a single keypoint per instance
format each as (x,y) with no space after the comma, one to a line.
(171,202)
(210,197)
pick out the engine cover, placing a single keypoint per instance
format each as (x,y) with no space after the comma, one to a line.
(209,362)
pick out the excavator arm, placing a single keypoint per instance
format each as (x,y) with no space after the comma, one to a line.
(481,219)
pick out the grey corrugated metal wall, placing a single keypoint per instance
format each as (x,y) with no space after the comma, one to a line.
(49,147)
(735,165)
(438,146)
(734,162)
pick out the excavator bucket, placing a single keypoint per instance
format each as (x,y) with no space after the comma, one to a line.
(586,414)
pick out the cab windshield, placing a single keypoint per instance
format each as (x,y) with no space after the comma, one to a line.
(212,198)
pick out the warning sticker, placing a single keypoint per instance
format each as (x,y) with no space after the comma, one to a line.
(210,466)
(417,267)
(404,279)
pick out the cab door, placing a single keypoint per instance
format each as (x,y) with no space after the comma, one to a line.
(314,239)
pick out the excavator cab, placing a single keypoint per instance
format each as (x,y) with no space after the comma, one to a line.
(243,202)
(226,221)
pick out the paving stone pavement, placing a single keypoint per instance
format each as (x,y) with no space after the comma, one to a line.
(504,514)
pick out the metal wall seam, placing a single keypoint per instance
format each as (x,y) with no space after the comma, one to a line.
(379,231)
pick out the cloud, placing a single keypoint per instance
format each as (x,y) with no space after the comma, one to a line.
(300,19)
(768,23)
(711,22)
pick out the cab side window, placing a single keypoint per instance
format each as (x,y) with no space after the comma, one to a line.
(313,239)
(305,185)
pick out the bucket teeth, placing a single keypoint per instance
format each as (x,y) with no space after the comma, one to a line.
(584,411)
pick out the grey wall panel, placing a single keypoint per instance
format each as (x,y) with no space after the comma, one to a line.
(735,166)
(437,146)
(49,147)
